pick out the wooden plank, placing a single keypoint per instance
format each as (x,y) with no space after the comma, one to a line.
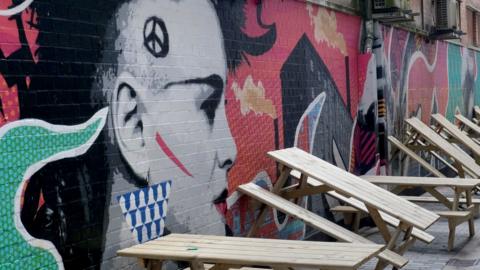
(464,183)
(381,225)
(355,186)
(441,198)
(244,260)
(238,251)
(414,156)
(419,234)
(315,221)
(285,173)
(454,214)
(428,199)
(456,133)
(435,154)
(226,247)
(433,138)
(469,124)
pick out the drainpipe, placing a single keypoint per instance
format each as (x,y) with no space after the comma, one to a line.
(368,26)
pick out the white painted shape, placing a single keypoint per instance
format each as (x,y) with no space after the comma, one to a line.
(17,9)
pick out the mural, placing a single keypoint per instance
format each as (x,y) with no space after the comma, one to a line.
(26,146)
(197,92)
(425,77)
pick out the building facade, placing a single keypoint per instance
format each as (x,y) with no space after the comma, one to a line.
(122,121)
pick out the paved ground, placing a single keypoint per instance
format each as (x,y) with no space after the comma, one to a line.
(466,254)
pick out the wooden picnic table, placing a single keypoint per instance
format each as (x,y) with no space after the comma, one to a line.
(456,215)
(354,186)
(278,202)
(423,138)
(375,198)
(453,133)
(236,252)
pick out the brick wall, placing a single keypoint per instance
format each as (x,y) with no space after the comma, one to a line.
(126,120)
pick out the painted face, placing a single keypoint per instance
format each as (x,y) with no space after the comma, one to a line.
(172,71)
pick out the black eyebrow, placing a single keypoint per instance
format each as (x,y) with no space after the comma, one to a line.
(210,105)
(214,80)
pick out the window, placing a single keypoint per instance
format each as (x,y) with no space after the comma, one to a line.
(473,20)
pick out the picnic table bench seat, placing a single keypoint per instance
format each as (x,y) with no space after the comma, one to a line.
(430,199)
(315,221)
(237,252)
(422,181)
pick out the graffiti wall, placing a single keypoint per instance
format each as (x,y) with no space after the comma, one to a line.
(122,121)
(425,77)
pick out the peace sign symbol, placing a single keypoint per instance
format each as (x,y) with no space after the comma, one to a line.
(155,37)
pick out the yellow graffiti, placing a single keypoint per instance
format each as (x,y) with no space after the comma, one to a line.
(252,98)
(325,25)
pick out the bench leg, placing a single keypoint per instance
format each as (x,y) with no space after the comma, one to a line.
(196,265)
(151,264)
(471,224)
(381,265)
(451,233)
(356,222)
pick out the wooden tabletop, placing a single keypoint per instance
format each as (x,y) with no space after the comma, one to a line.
(434,138)
(456,133)
(354,186)
(472,126)
(254,251)
(464,183)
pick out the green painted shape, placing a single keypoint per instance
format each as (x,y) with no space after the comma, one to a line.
(455,94)
(20,148)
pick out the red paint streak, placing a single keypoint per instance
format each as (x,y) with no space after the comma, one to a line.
(171,155)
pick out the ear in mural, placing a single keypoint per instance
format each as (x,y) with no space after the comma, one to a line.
(26,146)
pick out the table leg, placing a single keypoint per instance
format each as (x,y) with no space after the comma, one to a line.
(456,198)
(439,196)
(470,207)
(382,227)
(408,240)
(285,173)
